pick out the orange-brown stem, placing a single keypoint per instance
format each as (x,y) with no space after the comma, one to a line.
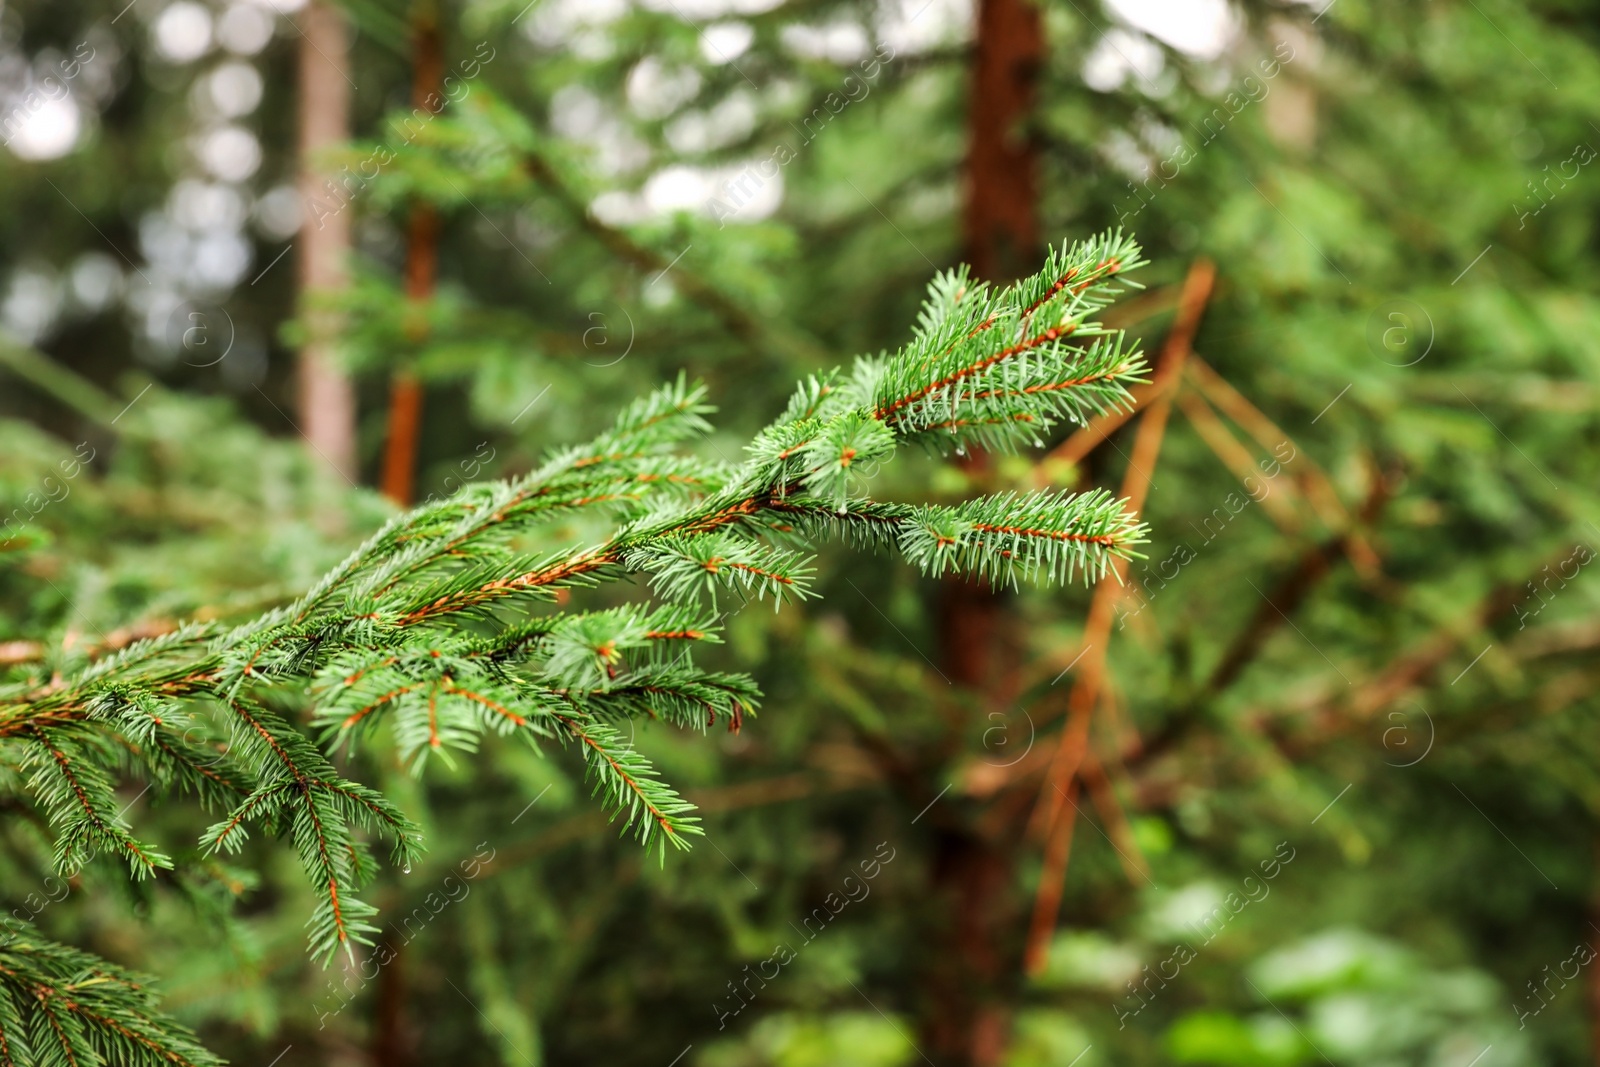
(1050,818)
(422,268)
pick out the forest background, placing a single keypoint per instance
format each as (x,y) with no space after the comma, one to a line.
(1313,785)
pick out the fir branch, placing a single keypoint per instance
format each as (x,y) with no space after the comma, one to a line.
(1050,535)
(648,806)
(440,627)
(62,1006)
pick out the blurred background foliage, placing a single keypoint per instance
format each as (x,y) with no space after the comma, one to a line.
(1364,636)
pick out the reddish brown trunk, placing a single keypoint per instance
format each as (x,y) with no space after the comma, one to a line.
(405,391)
(1594,972)
(422,265)
(969,619)
(1001,225)
(405,427)
(1001,231)
(391,1045)
(967,1019)
(969,979)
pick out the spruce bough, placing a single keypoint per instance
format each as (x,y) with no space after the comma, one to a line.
(440,626)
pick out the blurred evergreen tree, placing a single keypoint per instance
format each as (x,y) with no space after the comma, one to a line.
(1381,440)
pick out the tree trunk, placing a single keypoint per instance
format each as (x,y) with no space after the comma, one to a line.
(1593,979)
(1001,225)
(327,402)
(422,262)
(391,1036)
(971,980)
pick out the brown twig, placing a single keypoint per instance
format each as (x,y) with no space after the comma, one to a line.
(1313,480)
(1323,715)
(1146,305)
(1237,459)
(1115,818)
(1418,665)
(1047,901)
(16,653)
(1050,819)
(13,653)
(1084,441)
(1314,565)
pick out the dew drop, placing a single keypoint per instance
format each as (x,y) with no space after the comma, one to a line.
(406,869)
(961,450)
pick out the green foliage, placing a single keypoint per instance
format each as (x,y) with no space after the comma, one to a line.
(60,1007)
(1404,150)
(855,1039)
(433,625)
(1349,996)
